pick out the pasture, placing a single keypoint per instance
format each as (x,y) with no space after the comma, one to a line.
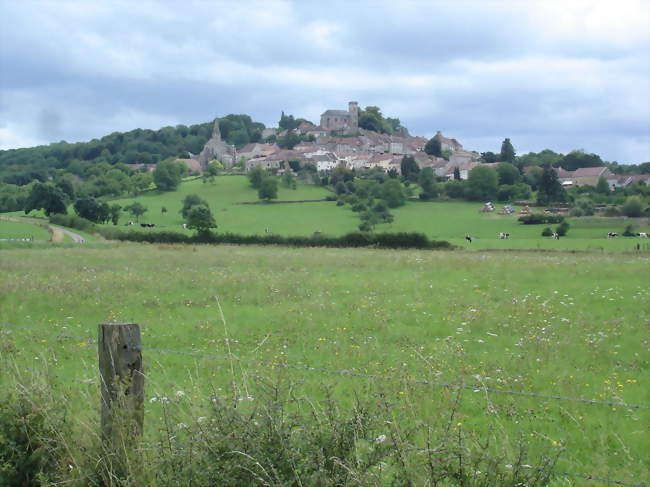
(439,220)
(567,325)
(18,230)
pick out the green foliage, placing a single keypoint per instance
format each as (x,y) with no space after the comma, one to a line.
(550,189)
(427,182)
(514,192)
(33,431)
(93,210)
(489,157)
(534,176)
(547,232)
(392,192)
(562,228)
(633,207)
(482,184)
(455,189)
(602,186)
(508,173)
(239,130)
(47,197)
(200,218)
(189,201)
(409,168)
(168,174)
(544,158)
(372,119)
(268,189)
(256,176)
(507,152)
(289,141)
(433,147)
(540,218)
(136,209)
(578,158)
(630,231)
(583,206)
(72,221)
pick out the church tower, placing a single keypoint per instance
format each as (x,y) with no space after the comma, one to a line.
(353,108)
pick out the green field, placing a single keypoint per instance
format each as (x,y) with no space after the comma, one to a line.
(554,324)
(439,220)
(10,230)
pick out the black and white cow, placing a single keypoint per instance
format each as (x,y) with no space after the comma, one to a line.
(504,235)
(469,239)
(644,235)
(612,234)
(556,236)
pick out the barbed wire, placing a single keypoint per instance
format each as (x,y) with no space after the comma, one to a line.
(351,373)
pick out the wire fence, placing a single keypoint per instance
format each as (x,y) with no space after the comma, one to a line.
(351,373)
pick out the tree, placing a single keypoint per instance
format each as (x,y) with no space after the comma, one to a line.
(268,190)
(200,219)
(288,180)
(167,175)
(256,176)
(633,206)
(508,174)
(294,164)
(534,176)
(47,197)
(409,168)
(212,171)
(114,212)
(91,209)
(549,188)
(428,184)
(189,201)
(136,209)
(578,158)
(489,157)
(602,186)
(433,147)
(507,151)
(141,181)
(392,193)
(482,183)
(456,173)
(289,141)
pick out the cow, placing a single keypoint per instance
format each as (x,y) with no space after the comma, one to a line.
(469,239)
(644,235)
(504,235)
(556,236)
(147,225)
(184,225)
(612,234)
(128,224)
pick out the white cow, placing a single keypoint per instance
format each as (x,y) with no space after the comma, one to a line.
(504,235)
(644,235)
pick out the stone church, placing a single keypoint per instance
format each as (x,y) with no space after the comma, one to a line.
(341,119)
(215,148)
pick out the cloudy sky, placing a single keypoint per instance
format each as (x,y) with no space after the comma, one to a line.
(563,75)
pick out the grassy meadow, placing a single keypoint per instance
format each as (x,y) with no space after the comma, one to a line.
(439,220)
(571,325)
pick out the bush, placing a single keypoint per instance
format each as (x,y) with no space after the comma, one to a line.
(562,229)
(32,426)
(630,231)
(547,232)
(72,221)
(633,207)
(612,210)
(540,218)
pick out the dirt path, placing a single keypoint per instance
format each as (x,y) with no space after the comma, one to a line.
(57,232)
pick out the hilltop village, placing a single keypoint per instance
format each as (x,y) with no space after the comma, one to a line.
(339,141)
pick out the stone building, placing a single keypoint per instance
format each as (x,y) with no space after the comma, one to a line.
(340,119)
(215,148)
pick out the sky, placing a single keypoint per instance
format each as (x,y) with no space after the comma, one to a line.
(562,75)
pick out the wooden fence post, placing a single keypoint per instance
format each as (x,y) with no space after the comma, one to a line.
(122,382)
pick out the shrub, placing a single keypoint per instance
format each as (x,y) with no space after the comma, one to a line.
(72,221)
(633,207)
(562,229)
(32,428)
(612,210)
(547,232)
(540,218)
(630,231)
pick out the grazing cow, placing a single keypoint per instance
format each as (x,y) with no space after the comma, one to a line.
(144,225)
(469,239)
(644,235)
(504,235)
(612,234)
(184,225)
(556,236)
(128,224)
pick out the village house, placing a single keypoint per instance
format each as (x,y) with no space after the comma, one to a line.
(255,149)
(447,144)
(583,176)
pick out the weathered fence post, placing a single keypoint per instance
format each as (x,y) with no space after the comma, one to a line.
(122,383)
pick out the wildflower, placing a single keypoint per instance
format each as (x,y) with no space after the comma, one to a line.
(180,393)
(380,439)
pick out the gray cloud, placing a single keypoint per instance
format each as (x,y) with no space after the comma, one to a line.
(545,74)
